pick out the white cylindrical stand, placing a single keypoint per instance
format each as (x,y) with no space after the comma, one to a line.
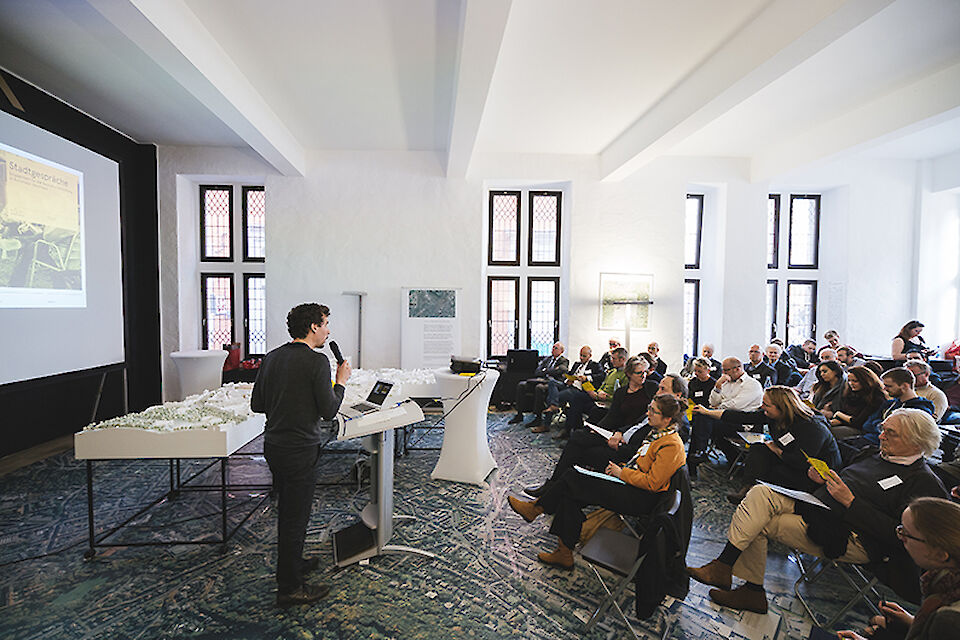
(465,454)
(199,370)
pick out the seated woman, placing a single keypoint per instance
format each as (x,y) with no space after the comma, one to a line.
(644,478)
(930,532)
(861,397)
(795,430)
(908,341)
(865,500)
(830,381)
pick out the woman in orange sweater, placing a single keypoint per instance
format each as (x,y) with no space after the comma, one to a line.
(633,489)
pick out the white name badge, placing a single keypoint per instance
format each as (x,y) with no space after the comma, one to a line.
(889,483)
(785,439)
(756,376)
(698,394)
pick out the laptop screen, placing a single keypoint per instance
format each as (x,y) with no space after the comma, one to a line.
(379,392)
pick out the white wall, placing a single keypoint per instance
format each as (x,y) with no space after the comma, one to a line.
(179,172)
(938,288)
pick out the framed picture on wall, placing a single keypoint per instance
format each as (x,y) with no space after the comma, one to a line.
(625,300)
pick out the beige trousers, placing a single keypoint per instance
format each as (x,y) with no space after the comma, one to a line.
(765,514)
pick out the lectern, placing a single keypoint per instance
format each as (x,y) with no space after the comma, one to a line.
(370,536)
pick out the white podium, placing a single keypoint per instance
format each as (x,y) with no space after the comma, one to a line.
(199,370)
(465,454)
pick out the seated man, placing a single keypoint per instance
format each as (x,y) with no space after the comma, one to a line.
(532,392)
(707,353)
(786,374)
(580,402)
(653,374)
(583,370)
(733,390)
(923,388)
(804,356)
(759,370)
(658,365)
(898,384)
(605,359)
(865,500)
(587,448)
(847,356)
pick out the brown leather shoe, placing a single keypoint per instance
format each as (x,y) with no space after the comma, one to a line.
(306,594)
(741,598)
(714,573)
(540,428)
(562,557)
(529,511)
(736,497)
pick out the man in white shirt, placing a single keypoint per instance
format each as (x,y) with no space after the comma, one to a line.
(733,390)
(923,388)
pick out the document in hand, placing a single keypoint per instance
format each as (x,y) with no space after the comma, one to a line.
(802,496)
(599,430)
(596,474)
(753,438)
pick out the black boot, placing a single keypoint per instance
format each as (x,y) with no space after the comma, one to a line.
(517,419)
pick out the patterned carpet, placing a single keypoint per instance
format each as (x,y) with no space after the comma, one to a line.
(487,584)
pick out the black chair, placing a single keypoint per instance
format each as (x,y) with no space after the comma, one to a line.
(625,553)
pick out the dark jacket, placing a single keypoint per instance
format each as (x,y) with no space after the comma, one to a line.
(627,409)
(550,368)
(594,372)
(762,373)
(801,358)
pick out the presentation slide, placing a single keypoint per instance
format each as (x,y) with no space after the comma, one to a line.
(61,291)
(41,232)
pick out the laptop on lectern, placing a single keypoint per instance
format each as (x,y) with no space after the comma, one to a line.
(374,401)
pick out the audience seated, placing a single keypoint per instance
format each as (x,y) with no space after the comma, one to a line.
(702,382)
(605,359)
(847,356)
(580,402)
(759,370)
(830,381)
(862,396)
(909,341)
(805,388)
(923,388)
(583,370)
(833,340)
(898,384)
(930,532)
(865,500)
(733,390)
(652,373)
(804,356)
(658,365)
(643,478)
(589,449)
(786,374)
(795,431)
(532,393)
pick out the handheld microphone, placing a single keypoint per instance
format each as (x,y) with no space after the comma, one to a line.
(335,348)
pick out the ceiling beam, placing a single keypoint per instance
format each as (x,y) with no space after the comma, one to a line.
(177,41)
(779,37)
(482,25)
(925,102)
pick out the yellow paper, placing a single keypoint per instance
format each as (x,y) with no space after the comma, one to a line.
(819,465)
(587,386)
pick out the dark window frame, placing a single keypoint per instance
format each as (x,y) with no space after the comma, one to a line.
(776,302)
(530,261)
(556,306)
(813,325)
(516,313)
(204,276)
(243,202)
(490,260)
(204,188)
(699,197)
(776,232)
(816,233)
(696,314)
(246,311)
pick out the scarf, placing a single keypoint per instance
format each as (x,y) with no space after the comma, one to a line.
(651,437)
(940,587)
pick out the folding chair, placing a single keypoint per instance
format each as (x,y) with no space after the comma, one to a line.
(620,553)
(855,575)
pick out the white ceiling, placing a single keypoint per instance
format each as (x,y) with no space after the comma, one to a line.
(778,81)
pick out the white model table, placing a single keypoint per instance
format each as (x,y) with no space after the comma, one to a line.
(465,454)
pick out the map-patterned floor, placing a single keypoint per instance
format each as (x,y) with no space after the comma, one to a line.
(487,585)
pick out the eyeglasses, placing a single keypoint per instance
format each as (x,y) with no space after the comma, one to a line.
(725,369)
(903,534)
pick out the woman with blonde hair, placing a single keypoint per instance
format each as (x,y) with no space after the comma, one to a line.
(795,432)
(930,532)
